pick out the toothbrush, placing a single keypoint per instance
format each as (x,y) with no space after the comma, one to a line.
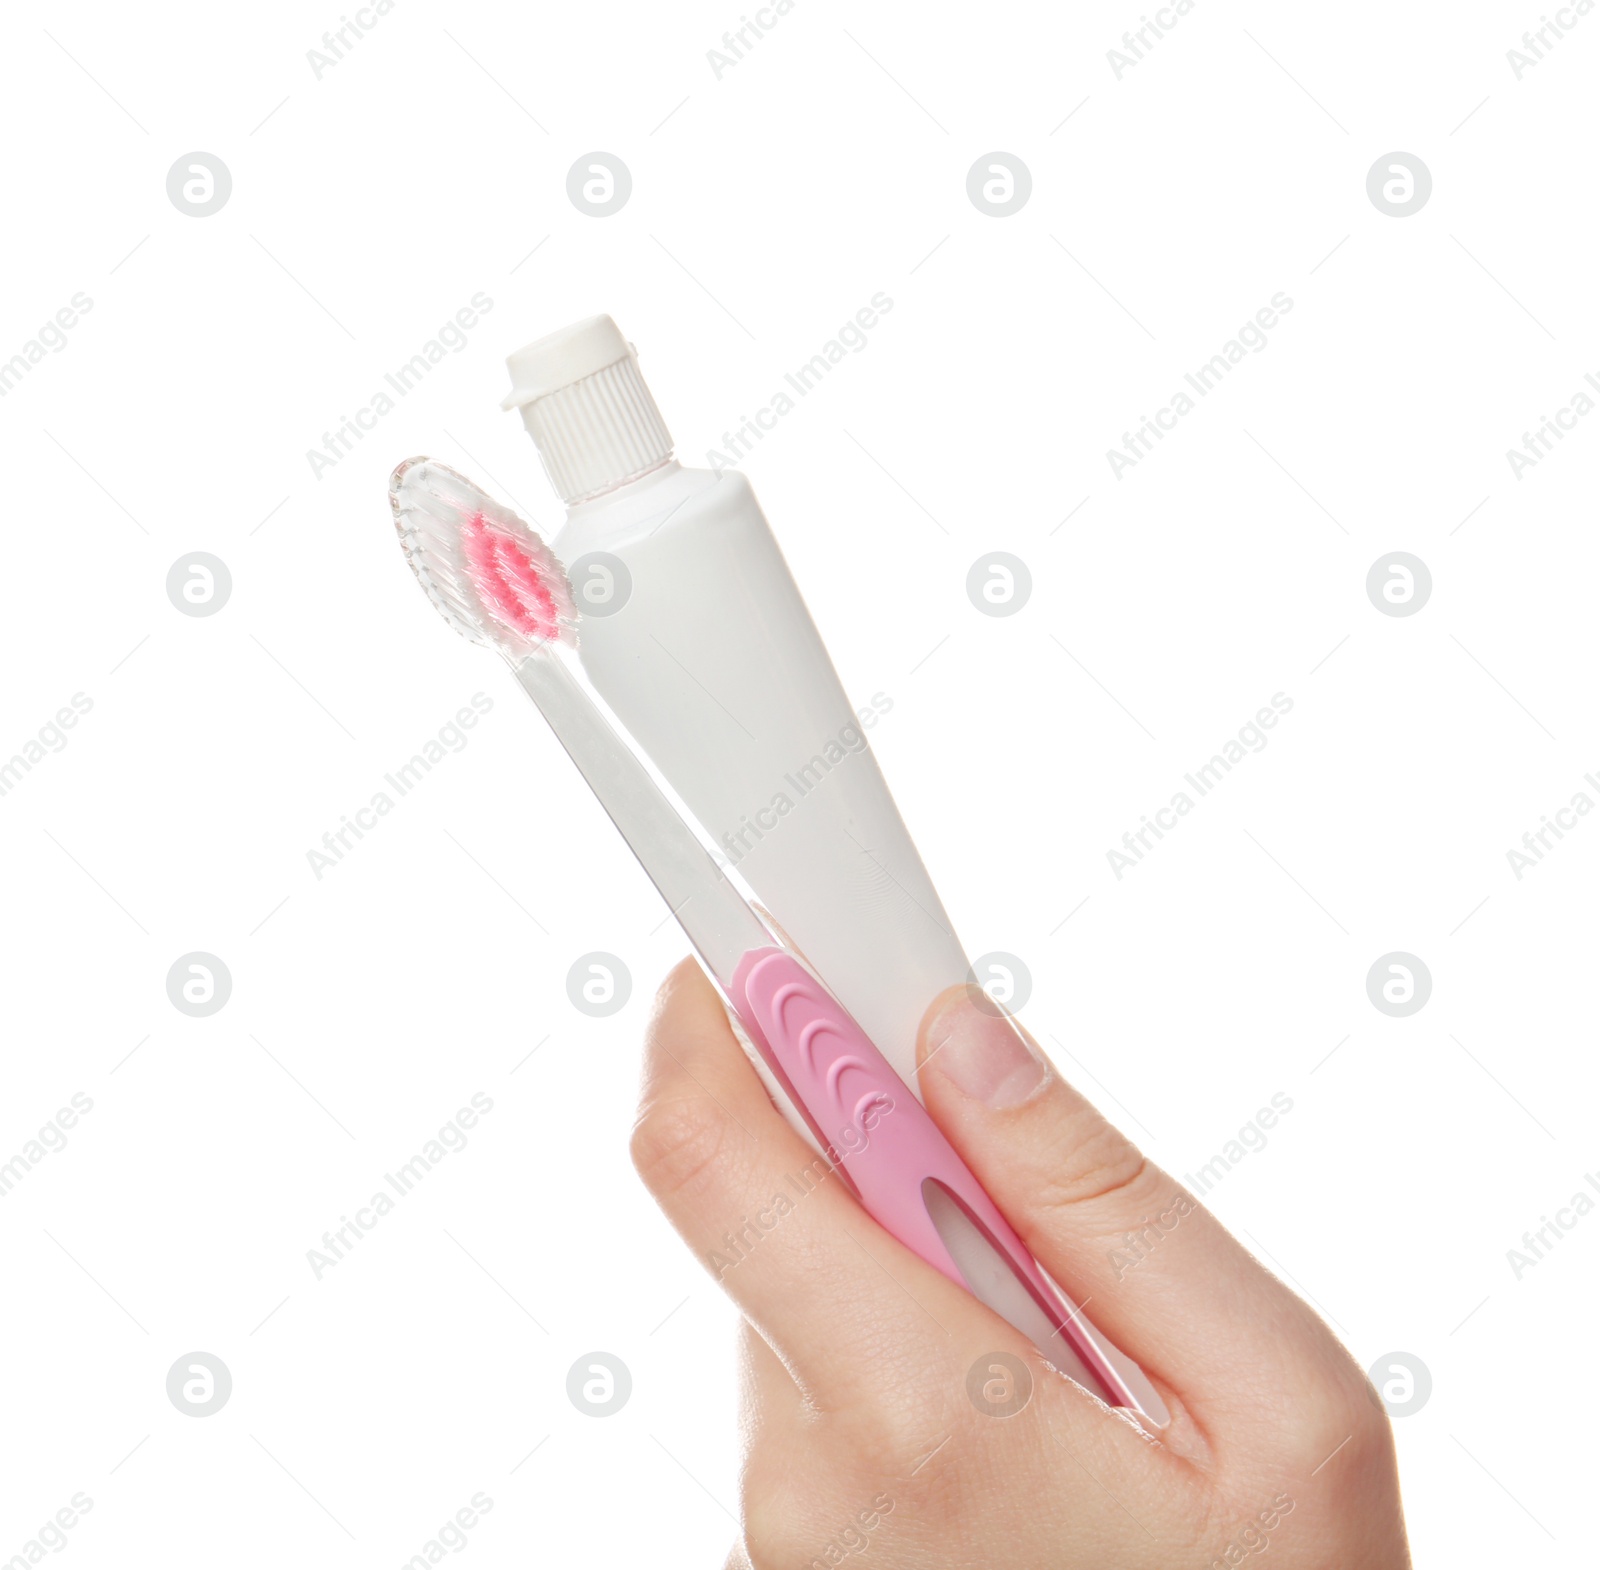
(498,584)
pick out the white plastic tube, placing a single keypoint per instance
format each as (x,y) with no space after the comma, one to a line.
(696,636)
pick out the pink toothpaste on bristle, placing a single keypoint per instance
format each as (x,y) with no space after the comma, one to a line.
(488,574)
(514,584)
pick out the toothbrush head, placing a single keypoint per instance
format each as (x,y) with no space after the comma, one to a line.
(488,574)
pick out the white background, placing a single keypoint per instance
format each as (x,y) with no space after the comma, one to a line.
(768,206)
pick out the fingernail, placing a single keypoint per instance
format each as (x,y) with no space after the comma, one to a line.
(982,1053)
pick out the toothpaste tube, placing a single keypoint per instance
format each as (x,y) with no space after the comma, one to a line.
(697,638)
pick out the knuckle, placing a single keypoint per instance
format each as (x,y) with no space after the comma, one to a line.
(1348,1408)
(1096,1165)
(676,1144)
(1337,1414)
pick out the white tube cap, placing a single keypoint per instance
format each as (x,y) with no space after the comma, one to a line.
(587,408)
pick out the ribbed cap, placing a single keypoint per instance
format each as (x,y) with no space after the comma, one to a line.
(587,408)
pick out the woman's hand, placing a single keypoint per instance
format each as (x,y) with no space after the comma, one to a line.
(887,1410)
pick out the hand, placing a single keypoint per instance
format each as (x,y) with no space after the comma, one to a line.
(860,1432)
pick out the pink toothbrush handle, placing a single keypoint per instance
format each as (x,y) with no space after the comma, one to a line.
(882,1139)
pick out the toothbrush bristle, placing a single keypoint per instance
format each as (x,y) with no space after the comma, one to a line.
(488,574)
(514,578)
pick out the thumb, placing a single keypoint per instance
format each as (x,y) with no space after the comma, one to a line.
(1167,1282)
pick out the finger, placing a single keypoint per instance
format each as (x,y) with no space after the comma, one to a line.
(854,1316)
(768,1394)
(1156,1271)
